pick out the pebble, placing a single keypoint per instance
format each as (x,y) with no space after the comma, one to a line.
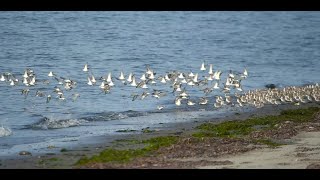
(23,153)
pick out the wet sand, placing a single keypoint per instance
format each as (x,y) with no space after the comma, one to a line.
(302,151)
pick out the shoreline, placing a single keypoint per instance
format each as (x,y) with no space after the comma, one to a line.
(68,158)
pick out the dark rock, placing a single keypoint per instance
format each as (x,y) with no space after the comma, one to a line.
(24,153)
(270,86)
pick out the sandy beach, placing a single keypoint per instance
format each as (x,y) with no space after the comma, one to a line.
(294,146)
(303,151)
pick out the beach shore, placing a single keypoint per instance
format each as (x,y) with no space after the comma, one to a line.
(289,144)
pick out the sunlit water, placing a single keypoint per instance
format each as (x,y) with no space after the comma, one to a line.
(276,47)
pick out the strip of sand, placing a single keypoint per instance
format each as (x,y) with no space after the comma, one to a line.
(303,151)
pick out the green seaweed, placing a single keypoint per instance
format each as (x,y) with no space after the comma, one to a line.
(240,128)
(269,142)
(123,156)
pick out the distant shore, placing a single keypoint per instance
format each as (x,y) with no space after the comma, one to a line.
(283,136)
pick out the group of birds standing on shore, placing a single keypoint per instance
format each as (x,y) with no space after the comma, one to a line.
(230,91)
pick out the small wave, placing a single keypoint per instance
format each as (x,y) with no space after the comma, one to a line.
(114,116)
(5,131)
(47,123)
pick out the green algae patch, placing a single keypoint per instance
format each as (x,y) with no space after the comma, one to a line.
(238,128)
(269,143)
(126,155)
(127,141)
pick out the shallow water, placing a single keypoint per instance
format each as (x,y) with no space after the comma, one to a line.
(276,47)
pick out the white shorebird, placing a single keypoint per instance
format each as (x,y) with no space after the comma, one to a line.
(61,97)
(166,77)
(163,80)
(25,81)
(203,68)
(111,83)
(25,75)
(183,95)
(203,101)
(216,86)
(109,79)
(195,79)
(149,71)
(2,78)
(151,76)
(89,82)
(228,99)
(184,81)
(239,88)
(245,72)
(140,84)
(51,74)
(231,75)
(239,102)
(102,85)
(48,98)
(217,105)
(190,103)
(12,82)
(143,77)
(191,75)
(130,78)
(121,77)
(32,81)
(93,79)
(133,83)
(181,76)
(217,75)
(85,68)
(191,83)
(178,101)
(210,69)
(160,107)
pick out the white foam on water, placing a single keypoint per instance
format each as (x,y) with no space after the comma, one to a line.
(47,123)
(4,131)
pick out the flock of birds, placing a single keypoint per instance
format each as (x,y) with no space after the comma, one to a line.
(291,94)
(178,81)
